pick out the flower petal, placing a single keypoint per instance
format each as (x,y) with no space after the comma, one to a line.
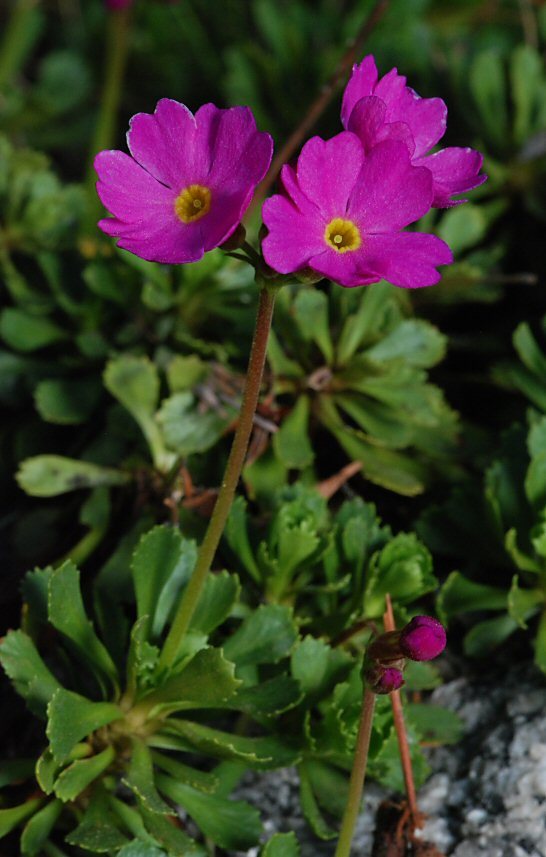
(327,171)
(347,269)
(166,144)
(454,170)
(128,191)
(361,84)
(293,238)
(289,183)
(367,121)
(240,155)
(390,193)
(407,259)
(426,117)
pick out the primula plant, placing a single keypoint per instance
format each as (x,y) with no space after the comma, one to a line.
(231,371)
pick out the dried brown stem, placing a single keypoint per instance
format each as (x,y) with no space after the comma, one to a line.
(401,734)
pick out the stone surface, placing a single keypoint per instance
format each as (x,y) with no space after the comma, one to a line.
(487,794)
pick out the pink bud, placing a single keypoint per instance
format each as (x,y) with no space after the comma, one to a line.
(423,639)
(384,679)
(118,4)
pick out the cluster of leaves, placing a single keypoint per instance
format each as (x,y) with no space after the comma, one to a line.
(129,739)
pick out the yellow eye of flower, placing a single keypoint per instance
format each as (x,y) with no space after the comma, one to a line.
(342,235)
(192,203)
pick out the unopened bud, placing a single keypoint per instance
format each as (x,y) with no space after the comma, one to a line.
(384,679)
(423,639)
(235,240)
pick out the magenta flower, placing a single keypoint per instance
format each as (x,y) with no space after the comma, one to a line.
(423,639)
(118,4)
(387,109)
(188,183)
(384,679)
(342,212)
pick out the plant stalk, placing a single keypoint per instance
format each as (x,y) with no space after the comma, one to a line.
(358,775)
(401,734)
(117,51)
(18,36)
(232,473)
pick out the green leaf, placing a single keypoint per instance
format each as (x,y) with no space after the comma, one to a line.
(49,475)
(10,818)
(260,753)
(142,658)
(80,774)
(25,332)
(186,429)
(134,382)
(317,666)
(140,779)
(39,827)
(460,595)
(462,227)
(535,481)
(414,341)
(207,681)
(72,717)
(170,837)
(526,73)
(435,723)
(291,443)
(30,676)
(184,373)
(528,349)
(219,595)
(330,786)
(366,323)
(486,79)
(162,563)
(203,781)
(311,313)
(14,770)
(403,569)
(265,636)
(66,402)
(268,699)
(281,845)
(98,830)
(524,603)
(484,637)
(141,849)
(236,533)
(47,769)
(67,614)
(311,809)
(230,824)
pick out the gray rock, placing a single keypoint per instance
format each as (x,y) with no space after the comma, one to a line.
(487,794)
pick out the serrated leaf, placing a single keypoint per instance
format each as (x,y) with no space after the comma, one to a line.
(26,669)
(140,779)
(317,666)
(414,341)
(266,636)
(311,312)
(98,830)
(361,326)
(162,563)
(67,614)
(484,637)
(80,774)
(50,475)
(435,723)
(460,595)
(229,823)
(134,382)
(311,809)
(403,569)
(291,443)
(207,681)
(260,753)
(72,717)
(39,827)
(219,595)
(236,533)
(140,849)
(268,699)
(524,603)
(281,845)
(204,781)
(174,840)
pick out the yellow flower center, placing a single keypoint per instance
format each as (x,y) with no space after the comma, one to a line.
(342,235)
(192,203)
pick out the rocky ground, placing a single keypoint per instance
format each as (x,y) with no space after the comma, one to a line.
(487,794)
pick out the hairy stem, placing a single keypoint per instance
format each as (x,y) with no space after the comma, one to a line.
(401,734)
(358,775)
(234,466)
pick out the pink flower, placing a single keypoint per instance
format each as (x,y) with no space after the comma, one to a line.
(342,212)
(383,679)
(188,183)
(387,109)
(423,639)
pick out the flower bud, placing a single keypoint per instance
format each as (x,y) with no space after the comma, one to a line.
(235,240)
(423,639)
(115,5)
(384,679)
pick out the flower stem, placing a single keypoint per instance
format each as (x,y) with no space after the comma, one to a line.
(358,775)
(401,734)
(117,50)
(19,34)
(234,467)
